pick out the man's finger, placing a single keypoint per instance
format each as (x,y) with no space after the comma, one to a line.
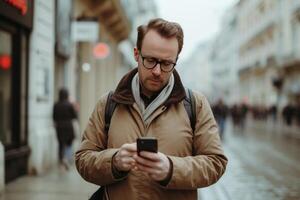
(146,162)
(130,147)
(129,160)
(150,156)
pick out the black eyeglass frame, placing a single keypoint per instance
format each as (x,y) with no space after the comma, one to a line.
(156,62)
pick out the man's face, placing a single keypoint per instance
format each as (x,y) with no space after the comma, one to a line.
(159,48)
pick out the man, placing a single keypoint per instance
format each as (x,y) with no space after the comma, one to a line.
(150,103)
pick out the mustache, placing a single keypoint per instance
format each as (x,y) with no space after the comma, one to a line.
(154,78)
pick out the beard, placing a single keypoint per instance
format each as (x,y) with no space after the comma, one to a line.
(152,85)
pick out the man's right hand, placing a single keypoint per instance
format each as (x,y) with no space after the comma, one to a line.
(123,159)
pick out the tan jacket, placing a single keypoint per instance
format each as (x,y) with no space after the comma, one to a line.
(171,126)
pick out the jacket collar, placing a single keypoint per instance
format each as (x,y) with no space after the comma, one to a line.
(123,93)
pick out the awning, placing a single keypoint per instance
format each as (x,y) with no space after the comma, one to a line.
(111,15)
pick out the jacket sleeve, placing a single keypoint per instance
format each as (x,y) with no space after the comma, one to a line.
(208,163)
(93,159)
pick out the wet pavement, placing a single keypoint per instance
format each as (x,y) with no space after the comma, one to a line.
(58,184)
(262,166)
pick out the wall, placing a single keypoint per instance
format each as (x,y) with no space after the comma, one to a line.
(41,134)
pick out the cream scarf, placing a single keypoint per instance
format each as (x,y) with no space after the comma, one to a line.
(159,100)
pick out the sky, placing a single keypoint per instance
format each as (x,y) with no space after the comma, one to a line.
(200,19)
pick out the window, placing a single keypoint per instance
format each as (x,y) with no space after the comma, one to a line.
(5,87)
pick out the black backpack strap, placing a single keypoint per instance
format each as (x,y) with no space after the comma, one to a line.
(99,194)
(190,107)
(109,110)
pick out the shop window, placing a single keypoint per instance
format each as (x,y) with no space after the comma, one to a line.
(5,87)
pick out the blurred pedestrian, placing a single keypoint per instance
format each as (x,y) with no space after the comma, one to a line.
(220,112)
(63,114)
(288,113)
(150,102)
(243,110)
(235,116)
(273,112)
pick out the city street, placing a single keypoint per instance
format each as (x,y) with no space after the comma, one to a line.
(261,166)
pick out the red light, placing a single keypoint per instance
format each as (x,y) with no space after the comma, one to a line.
(101,50)
(19,4)
(5,62)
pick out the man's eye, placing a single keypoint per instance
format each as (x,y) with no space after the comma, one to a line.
(166,63)
(151,60)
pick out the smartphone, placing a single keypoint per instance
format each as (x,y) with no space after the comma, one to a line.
(146,144)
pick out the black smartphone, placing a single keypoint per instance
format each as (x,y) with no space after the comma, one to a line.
(146,144)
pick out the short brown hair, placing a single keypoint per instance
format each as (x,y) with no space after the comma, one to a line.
(164,28)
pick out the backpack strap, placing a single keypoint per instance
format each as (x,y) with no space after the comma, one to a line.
(190,107)
(109,110)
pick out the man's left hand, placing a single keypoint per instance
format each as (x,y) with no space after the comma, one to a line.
(156,165)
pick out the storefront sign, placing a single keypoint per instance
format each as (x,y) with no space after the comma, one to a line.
(19,4)
(85,31)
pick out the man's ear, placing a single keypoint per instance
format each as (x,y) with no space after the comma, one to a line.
(136,54)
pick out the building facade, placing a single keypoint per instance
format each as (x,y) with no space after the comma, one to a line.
(98,75)
(27,32)
(16,24)
(65,72)
(225,60)
(41,135)
(269,51)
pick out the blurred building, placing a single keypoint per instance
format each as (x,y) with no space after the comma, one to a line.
(27,30)
(41,136)
(269,53)
(97,66)
(225,60)
(196,71)
(65,68)
(117,21)
(19,75)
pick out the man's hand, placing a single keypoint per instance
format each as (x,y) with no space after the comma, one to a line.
(123,160)
(156,165)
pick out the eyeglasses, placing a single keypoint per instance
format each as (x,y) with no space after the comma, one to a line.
(150,63)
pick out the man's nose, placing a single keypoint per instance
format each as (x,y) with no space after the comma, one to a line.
(156,70)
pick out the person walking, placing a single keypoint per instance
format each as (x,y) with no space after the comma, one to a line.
(150,103)
(63,114)
(220,112)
